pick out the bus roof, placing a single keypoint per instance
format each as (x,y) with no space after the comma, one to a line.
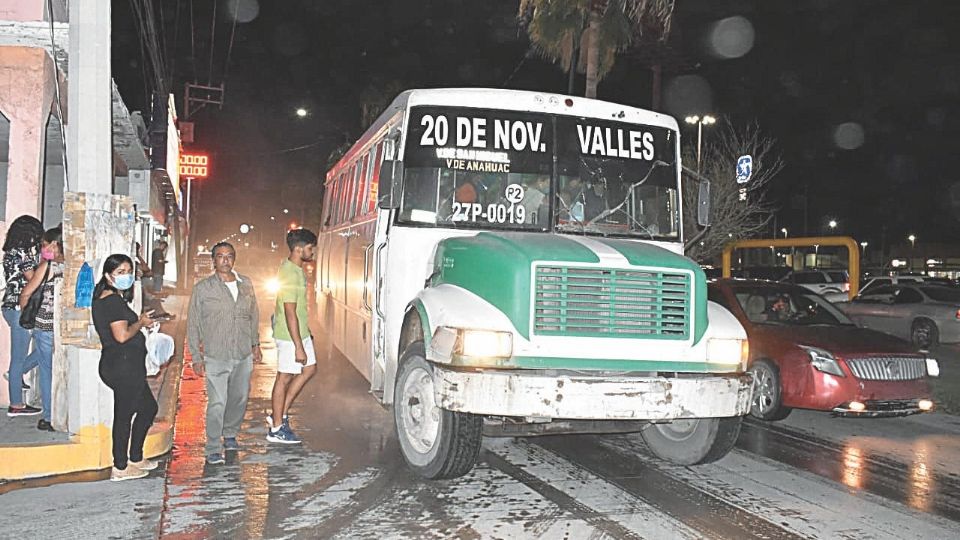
(511,100)
(544,102)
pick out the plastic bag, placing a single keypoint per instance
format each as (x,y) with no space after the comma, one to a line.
(160,348)
(85,285)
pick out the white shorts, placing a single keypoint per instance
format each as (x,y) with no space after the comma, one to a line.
(287,356)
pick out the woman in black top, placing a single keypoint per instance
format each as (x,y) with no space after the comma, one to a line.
(122,366)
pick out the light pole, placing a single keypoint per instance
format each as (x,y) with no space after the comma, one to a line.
(700,121)
(863,252)
(913,241)
(784,231)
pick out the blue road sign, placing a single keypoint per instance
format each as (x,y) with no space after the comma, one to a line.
(744,169)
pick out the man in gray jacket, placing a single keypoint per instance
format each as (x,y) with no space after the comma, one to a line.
(223,336)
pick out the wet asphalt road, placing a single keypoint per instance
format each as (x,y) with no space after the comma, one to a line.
(811,476)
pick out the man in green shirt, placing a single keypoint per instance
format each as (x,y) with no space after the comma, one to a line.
(296,358)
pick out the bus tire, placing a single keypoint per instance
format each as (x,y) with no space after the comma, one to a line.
(693,442)
(435,443)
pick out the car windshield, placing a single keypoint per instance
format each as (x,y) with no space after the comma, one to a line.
(789,307)
(494,169)
(942,294)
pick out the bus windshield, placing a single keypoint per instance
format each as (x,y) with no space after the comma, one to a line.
(495,169)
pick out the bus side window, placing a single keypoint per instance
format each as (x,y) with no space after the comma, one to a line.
(355,206)
(376,159)
(344,194)
(327,195)
(338,202)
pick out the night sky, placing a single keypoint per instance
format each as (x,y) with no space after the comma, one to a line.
(863,97)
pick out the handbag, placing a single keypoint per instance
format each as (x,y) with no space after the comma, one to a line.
(28,315)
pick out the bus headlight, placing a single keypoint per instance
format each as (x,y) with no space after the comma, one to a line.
(485,343)
(730,352)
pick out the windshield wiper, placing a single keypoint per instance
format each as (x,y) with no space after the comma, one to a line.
(628,197)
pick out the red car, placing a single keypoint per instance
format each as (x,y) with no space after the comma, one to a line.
(806,354)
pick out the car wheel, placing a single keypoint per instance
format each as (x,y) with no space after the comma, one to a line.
(694,441)
(924,334)
(767,401)
(436,443)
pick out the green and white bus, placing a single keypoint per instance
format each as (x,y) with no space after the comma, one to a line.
(508,263)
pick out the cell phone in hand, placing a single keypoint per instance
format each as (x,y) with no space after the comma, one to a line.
(161,317)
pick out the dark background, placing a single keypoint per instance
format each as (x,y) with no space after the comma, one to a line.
(892,67)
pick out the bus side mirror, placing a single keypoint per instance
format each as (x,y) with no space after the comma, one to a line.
(388,186)
(703,204)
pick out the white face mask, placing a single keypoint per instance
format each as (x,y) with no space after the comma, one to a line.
(123,281)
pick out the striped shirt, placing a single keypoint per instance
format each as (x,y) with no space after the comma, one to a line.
(227,329)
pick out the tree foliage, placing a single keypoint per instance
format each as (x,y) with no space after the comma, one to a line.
(730,218)
(559,30)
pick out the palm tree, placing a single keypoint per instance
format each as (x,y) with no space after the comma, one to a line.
(591,32)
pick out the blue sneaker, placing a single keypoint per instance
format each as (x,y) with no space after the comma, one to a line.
(283,435)
(230,444)
(215,459)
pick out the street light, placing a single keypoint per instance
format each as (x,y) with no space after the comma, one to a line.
(832,224)
(863,250)
(244,228)
(301,112)
(913,241)
(784,231)
(700,121)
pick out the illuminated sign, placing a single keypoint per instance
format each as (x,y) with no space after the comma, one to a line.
(194,165)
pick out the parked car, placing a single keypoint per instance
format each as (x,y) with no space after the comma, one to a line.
(806,354)
(924,314)
(871,284)
(820,281)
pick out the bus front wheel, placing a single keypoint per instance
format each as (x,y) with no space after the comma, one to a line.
(694,441)
(435,443)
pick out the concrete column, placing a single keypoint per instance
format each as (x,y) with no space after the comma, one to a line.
(90,173)
(89,135)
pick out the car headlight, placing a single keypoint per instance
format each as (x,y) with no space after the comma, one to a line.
(272,285)
(728,351)
(933,367)
(823,361)
(485,343)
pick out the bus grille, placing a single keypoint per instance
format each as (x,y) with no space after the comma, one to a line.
(611,302)
(888,368)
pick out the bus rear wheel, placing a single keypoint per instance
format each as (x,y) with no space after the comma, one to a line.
(693,442)
(435,443)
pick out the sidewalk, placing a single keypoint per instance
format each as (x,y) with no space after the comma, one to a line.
(26,452)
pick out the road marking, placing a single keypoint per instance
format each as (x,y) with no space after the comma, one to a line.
(585,495)
(799,501)
(711,516)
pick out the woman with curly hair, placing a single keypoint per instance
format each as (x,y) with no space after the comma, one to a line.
(21,256)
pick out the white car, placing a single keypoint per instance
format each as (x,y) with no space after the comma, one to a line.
(873,283)
(820,281)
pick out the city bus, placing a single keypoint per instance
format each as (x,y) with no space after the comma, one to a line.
(510,263)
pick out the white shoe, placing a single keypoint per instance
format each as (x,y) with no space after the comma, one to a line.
(130,473)
(145,464)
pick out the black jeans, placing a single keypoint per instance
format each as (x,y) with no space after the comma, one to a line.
(132,401)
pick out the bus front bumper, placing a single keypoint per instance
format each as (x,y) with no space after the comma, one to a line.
(513,393)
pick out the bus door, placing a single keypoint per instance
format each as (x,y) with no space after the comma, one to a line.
(376,273)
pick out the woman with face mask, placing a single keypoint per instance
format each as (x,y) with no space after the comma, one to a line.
(45,277)
(122,366)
